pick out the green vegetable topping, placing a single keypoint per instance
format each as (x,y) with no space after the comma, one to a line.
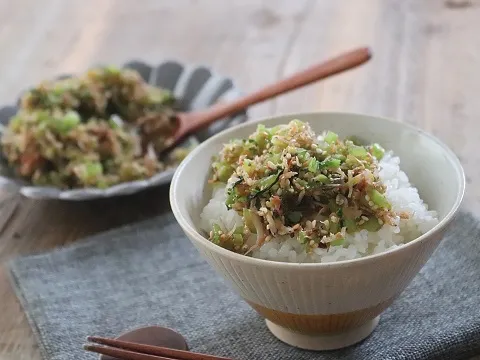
(237,239)
(216,233)
(371,225)
(323,179)
(224,172)
(247,218)
(379,199)
(62,125)
(286,183)
(313,165)
(94,169)
(338,242)
(331,137)
(351,225)
(377,151)
(330,163)
(358,151)
(68,122)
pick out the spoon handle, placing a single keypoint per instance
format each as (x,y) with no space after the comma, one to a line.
(314,73)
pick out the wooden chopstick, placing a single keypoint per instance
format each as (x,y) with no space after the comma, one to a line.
(126,350)
(122,354)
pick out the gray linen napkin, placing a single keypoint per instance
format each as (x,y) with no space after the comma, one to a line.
(149,273)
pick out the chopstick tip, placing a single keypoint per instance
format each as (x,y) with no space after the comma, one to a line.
(368,52)
(92,338)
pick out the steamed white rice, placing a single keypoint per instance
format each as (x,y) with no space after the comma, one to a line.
(400,193)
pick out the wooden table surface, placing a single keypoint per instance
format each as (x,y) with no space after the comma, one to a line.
(425,71)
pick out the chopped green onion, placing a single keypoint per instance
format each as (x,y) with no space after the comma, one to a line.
(377,151)
(69,121)
(16,123)
(302,237)
(224,172)
(238,230)
(340,157)
(351,225)
(330,137)
(231,198)
(275,159)
(334,226)
(237,240)
(262,128)
(323,179)
(268,182)
(301,182)
(371,225)
(313,165)
(276,141)
(93,169)
(248,166)
(337,242)
(247,218)
(58,89)
(216,232)
(113,124)
(379,199)
(292,150)
(242,199)
(262,136)
(112,70)
(330,163)
(303,155)
(358,151)
(275,129)
(297,122)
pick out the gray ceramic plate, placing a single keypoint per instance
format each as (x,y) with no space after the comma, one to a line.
(196,87)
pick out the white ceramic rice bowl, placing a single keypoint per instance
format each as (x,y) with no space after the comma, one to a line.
(327,305)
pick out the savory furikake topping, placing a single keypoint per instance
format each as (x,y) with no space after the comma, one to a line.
(286,181)
(102,128)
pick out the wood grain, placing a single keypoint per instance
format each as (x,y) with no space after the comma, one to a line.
(424,71)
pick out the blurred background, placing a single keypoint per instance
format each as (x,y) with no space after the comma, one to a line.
(423,71)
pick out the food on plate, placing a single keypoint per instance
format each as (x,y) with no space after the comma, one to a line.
(286,194)
(101,128)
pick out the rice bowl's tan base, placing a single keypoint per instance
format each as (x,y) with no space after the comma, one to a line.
(321,324)
(323,341)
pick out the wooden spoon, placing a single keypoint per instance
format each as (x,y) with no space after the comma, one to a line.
(188,123)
